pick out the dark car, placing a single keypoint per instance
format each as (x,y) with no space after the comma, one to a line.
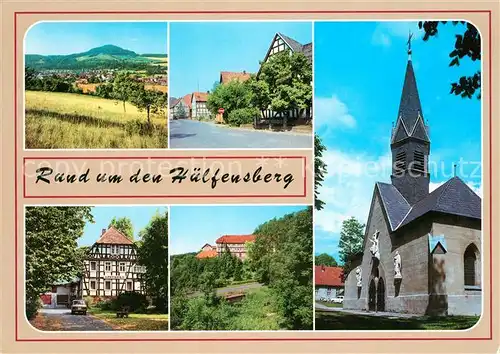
(78,306)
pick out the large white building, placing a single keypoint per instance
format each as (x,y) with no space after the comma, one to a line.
(111,266)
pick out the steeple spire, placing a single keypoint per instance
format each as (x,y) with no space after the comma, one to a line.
(410,36)
(410,143)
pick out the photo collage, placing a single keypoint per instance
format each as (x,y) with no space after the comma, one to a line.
(390,111)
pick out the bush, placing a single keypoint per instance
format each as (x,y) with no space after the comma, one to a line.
(89,301)
(106,305)
(137,302)
(32,307)
(242,116)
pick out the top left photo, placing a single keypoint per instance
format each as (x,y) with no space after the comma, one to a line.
(96,85)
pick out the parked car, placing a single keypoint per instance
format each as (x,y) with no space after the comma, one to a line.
(338,300)
(78,306)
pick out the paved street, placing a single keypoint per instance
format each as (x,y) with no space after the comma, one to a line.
(63,320)
(186,133)
(364,313)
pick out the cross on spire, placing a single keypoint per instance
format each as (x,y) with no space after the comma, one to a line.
(410,36)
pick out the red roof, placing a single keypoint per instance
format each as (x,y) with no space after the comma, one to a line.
(226,76)
(232,239)
(207,254)
(187,99)
(200,96)
(114,237)
(331,276)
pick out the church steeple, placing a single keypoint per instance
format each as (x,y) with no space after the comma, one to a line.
(410,143)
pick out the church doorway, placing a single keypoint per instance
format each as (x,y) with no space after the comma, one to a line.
(372,296)
(381,295)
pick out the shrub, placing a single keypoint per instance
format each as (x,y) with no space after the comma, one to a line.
(137,302)
(89,301)
(242,116)
(106,305)
(32,307)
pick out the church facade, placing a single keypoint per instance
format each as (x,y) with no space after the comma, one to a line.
(421,250)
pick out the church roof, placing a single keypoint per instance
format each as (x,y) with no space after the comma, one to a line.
(410,120)
(453,197)
(395,205)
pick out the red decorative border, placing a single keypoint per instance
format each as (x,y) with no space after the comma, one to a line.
(249,339)
(303,158)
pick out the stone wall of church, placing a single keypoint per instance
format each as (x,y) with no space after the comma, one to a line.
(447,270)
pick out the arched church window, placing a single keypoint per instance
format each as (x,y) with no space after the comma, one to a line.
(471,262)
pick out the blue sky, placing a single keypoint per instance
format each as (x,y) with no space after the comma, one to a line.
(193,226)
(200,51)
(140,216)
(75,37)
(359,72)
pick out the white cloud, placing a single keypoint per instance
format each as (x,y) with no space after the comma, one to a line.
(386,31)
(331,112)
(434,185)
(348,187)
(476,187)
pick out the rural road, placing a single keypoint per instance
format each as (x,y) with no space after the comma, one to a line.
(322,307)
(69,322)
(186,133)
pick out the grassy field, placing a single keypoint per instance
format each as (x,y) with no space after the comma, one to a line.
(66,120)
(346,321)
(329,304)
(135,321)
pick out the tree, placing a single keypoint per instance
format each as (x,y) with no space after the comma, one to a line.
(153,254)
(289,78)
(149,100)
(260,96)
(319,171)
(466,44)
(325,260)
(231,96)
(282,258)
(124,225)
(180,111)
(351,242)
(123,87)
(51,247)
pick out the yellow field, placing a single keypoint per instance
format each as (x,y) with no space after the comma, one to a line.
(66,120)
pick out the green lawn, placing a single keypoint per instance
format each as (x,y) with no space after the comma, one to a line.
(135,321)
(345,321)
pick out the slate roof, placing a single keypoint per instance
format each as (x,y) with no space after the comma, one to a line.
(114,237)
(235,239)
(410,120)
(226,76)
(453,197)
(330,276)
(298,47)
(395,205)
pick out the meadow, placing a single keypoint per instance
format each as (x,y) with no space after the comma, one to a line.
(57,120)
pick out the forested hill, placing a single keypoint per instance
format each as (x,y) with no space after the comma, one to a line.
(104,57)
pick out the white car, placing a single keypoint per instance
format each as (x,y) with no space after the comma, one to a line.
(338,300)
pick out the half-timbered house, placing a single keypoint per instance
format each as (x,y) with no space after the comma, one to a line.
(281,43)
(111,266)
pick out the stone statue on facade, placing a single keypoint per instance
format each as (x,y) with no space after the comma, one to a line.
(358,277)
(397,266)
(374,248)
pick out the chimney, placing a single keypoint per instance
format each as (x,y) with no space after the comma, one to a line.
(103,231)
(322,267)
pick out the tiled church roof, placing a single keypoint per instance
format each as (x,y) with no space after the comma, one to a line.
(453,197)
